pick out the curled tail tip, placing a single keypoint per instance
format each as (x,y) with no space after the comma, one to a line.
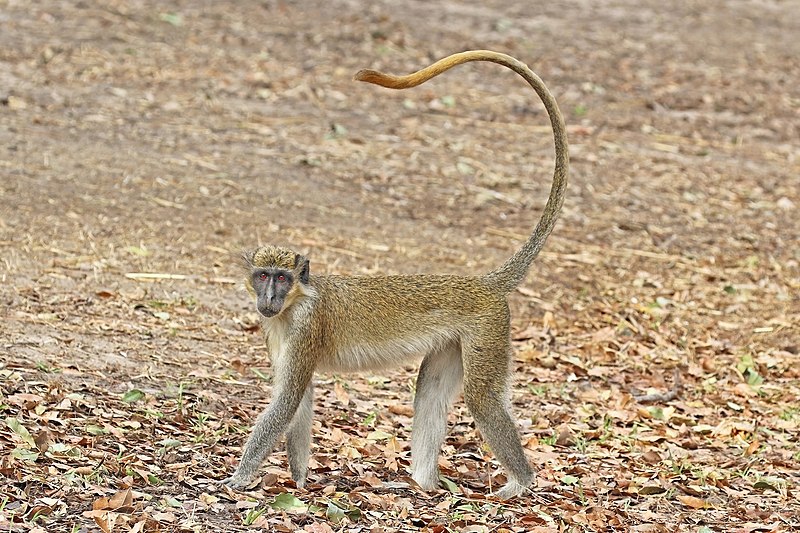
(364,74)
(377,78)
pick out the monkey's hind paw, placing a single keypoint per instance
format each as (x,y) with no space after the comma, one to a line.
(240,482)
(427,481)
(512,489)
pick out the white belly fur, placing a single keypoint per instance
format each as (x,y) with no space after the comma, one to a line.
(377,356)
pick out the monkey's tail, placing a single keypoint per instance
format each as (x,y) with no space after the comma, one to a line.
(511,273)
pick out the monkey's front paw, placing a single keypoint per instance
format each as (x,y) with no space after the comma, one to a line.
(239,481)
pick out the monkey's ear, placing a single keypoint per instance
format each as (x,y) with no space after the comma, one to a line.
(246,259)
(301,265)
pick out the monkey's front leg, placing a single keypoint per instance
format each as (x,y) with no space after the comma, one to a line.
(291,385)
(269,427)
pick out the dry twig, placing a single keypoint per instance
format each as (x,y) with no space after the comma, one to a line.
(663,396)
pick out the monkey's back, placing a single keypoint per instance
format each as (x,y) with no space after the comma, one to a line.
(401,316)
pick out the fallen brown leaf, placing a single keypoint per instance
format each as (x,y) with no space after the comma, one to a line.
(121,499)
(403,409)
(752,448)
(692,501)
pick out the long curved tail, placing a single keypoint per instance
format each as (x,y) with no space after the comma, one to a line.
(513,271)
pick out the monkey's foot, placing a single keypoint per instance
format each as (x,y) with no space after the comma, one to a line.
(239,481)
(512,489)
(426,480)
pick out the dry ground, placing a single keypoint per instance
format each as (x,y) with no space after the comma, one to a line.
(161,138)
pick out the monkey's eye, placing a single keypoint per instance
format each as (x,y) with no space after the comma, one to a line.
(281,277)
(263,276)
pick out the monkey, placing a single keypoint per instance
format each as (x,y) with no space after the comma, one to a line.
(458,325)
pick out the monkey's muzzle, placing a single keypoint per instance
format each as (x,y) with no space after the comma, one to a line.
(268,311)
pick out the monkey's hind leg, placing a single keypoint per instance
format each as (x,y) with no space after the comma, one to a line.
(438,383)
(485,393)
(298,438)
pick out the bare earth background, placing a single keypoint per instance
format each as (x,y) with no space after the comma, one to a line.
(162,138)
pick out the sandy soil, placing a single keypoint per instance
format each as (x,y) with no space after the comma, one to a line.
(144,144)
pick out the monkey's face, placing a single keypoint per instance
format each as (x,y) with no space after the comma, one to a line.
(275,276)
(271,285)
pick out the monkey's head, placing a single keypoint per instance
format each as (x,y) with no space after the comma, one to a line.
(275,277)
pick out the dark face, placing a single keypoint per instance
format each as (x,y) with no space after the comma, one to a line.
(271,286)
